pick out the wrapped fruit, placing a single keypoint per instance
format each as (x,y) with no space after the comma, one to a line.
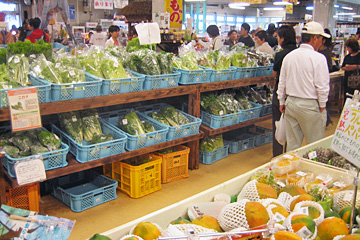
(285,164)
(300,178)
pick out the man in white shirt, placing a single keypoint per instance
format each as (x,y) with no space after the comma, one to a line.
(304,82)
(99,38)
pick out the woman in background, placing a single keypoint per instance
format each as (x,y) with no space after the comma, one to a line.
(351,63)
(215,43)
(113,38)
(262,44)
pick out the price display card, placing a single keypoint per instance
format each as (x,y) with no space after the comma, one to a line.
(30,170)
(24,109)
(346,140)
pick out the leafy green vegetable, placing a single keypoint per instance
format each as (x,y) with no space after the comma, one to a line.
(223,61)
(189,61)
(38,148)
(21,141)
(158,117)
(134,45)
(131,124)
(90,124)
(18,66)
(165,61)
(27,48)
(45,69)
(3,53)
(11,151)
(148,127)
(211,143)
(17,106)
(112,69)
(92,62)
(239,60)
(206,60)
(71,75)
(72,124)
(145,62)
(50,140)
(99,138)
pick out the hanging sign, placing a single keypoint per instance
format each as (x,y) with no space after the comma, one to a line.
(72,11)
(30,170)
(346,140)
(148,33)
(24,109)
(175,8)
(104,4)
(289,9)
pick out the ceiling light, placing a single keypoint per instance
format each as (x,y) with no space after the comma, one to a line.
(355,16)
(273,8)
(336,6)
(345,13)
(310,8)
(281,3)
(239,4)
(240,8)
(347,8)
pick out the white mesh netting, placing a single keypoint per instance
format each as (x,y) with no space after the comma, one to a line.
(277,216)
(129,236)
(179,230)
(233,216)
(344,199)
(298,208)
(156,225)
(302,234)
(249,192)
(285,199)
(338,237)
(268,201)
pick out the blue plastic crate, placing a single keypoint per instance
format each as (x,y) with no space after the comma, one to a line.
(264,71)
(178,131)
(216,155)
(3,45)
(83,190)
(266,109)
(246,72)
(241,143)
(42,87)
(220,121)
(262,135)
(59,46)
(86,151)
(219,75)
(232,73)
(251,113)
(137,141)
(52,159)
(194,76)
(120,85)
(161,81)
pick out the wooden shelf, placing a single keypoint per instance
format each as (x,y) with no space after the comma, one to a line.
(209,131)
(74,166)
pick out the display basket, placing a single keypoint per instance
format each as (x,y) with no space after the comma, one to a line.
(266,109)
(216,155)
(119,85)
(245,72)
(178,131)
(60,46)
(82,190)
(161,81)
(232,73)
(220,75)
(51,159)
(86,151)
(137,141)
(264,71)
(25,197)
(138,181)
(262,135)
(194,76)
(241,143)
(174,165)
(42,88)
(251,113)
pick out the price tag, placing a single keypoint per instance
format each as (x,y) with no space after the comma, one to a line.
(74,119)
(72,73)
(221,113)
(288,156)
(30,170)
(124,121)
(348,196)
(281,184)
(229,100)
(24,109)
(116,64)
(304,210)
(301,173)
(278,217)
(16,59)
(312,155)
(57,65)
(304,233)
(339,184)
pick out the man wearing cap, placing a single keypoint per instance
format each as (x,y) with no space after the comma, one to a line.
(99,38)
(304,88)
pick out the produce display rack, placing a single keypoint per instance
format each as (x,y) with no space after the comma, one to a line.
(192,91)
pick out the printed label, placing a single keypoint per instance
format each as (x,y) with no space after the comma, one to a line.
(124,121)
(278,217)
(312,155)
(221,113)
(304,210)
(301,173)
(116,64)
(74,119)
(72,73)
(304,233)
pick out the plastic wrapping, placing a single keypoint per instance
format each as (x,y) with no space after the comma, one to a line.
(111,68)
(131,124)
(18,66)
(45,69)
(72,124)
(223,60)
(211,143)
(145,62)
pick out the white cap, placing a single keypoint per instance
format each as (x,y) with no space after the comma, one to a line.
(314,28)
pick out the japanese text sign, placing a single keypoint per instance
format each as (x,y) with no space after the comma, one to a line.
(24,109)
(346,140)
(175,8)
(104,4)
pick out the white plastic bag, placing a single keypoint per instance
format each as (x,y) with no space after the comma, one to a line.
(280,132)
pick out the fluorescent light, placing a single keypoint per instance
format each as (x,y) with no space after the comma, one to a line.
(273,8)
(239,4)
(336,6)
(355,16)
(281,3)
(345,13)
(240,8)
(347,8)
(310,8)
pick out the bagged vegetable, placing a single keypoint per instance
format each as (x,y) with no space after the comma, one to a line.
(239,59)
(37,147)
(22,142)
(45,69)
(91,61)
(145,62)
(12,151)
(229,102)
(71,123)
(49,140)
(111,68)
(158,117)
(131,124)
(206,60)
(211,143)
(223,60)
(134,45)
(165,61)
(18,66)
(148,127)
(99,138)
(90,124)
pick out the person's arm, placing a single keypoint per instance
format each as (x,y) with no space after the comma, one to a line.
(218,43)
(322,82)
(352,67)
(204,44)
(282,86)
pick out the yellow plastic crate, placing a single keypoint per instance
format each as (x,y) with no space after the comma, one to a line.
(24,197)
(107,170)
(138,181)
(175,165)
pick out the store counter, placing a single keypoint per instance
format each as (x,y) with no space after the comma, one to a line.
(336,90)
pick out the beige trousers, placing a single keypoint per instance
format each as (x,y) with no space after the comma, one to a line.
(303,119)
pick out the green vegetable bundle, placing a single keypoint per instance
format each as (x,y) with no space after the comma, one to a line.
(46,69)
(5,78)
(91,62)
(211,143)
(239,60)
(112,69)
(134,45)
(27,48)
(3,53)
(132,124)
(222,104)
(169,116)
(90,124)
(145,62)
(71,124)
(18,66)
(188,62)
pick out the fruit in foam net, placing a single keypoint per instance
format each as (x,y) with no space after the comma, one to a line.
(301,198)
(147,231)
(207,221)
(265,191)
(302,220)
(180,220)
(293,190)
(345,214)
(331,227)
(256,214)
(284,235)
(314,213)
(279,209)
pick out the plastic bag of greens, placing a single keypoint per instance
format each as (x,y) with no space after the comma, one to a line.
(131,124)
(122,56)
(49,140)
(18,66)
(12,151)
(71,75)
(239,59)
(148,127)
(178,63)
(22,141)
(99,138)
(6,81)
(211,143)
(145,62)
(66,59)
(90,124)
(111,68)
(158,117)
(91,61)
(223,60)
(165,61)
(230,103)
(37,148)
(45,69)
(243,100)
(206,60)
(189,61)
(71,124)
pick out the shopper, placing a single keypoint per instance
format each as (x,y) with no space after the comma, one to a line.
(36,34)
(98,38)
(244,35)
(304,80)
(262,44)
(232,39)
(23,30)
(351,63)
(271,39)
(215,43)
(357,35)
(87,41)
(114,34)
(287,40)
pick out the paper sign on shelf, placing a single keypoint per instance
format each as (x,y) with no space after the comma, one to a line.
(30,170)
(24,109)
(346,140)
(148,33)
